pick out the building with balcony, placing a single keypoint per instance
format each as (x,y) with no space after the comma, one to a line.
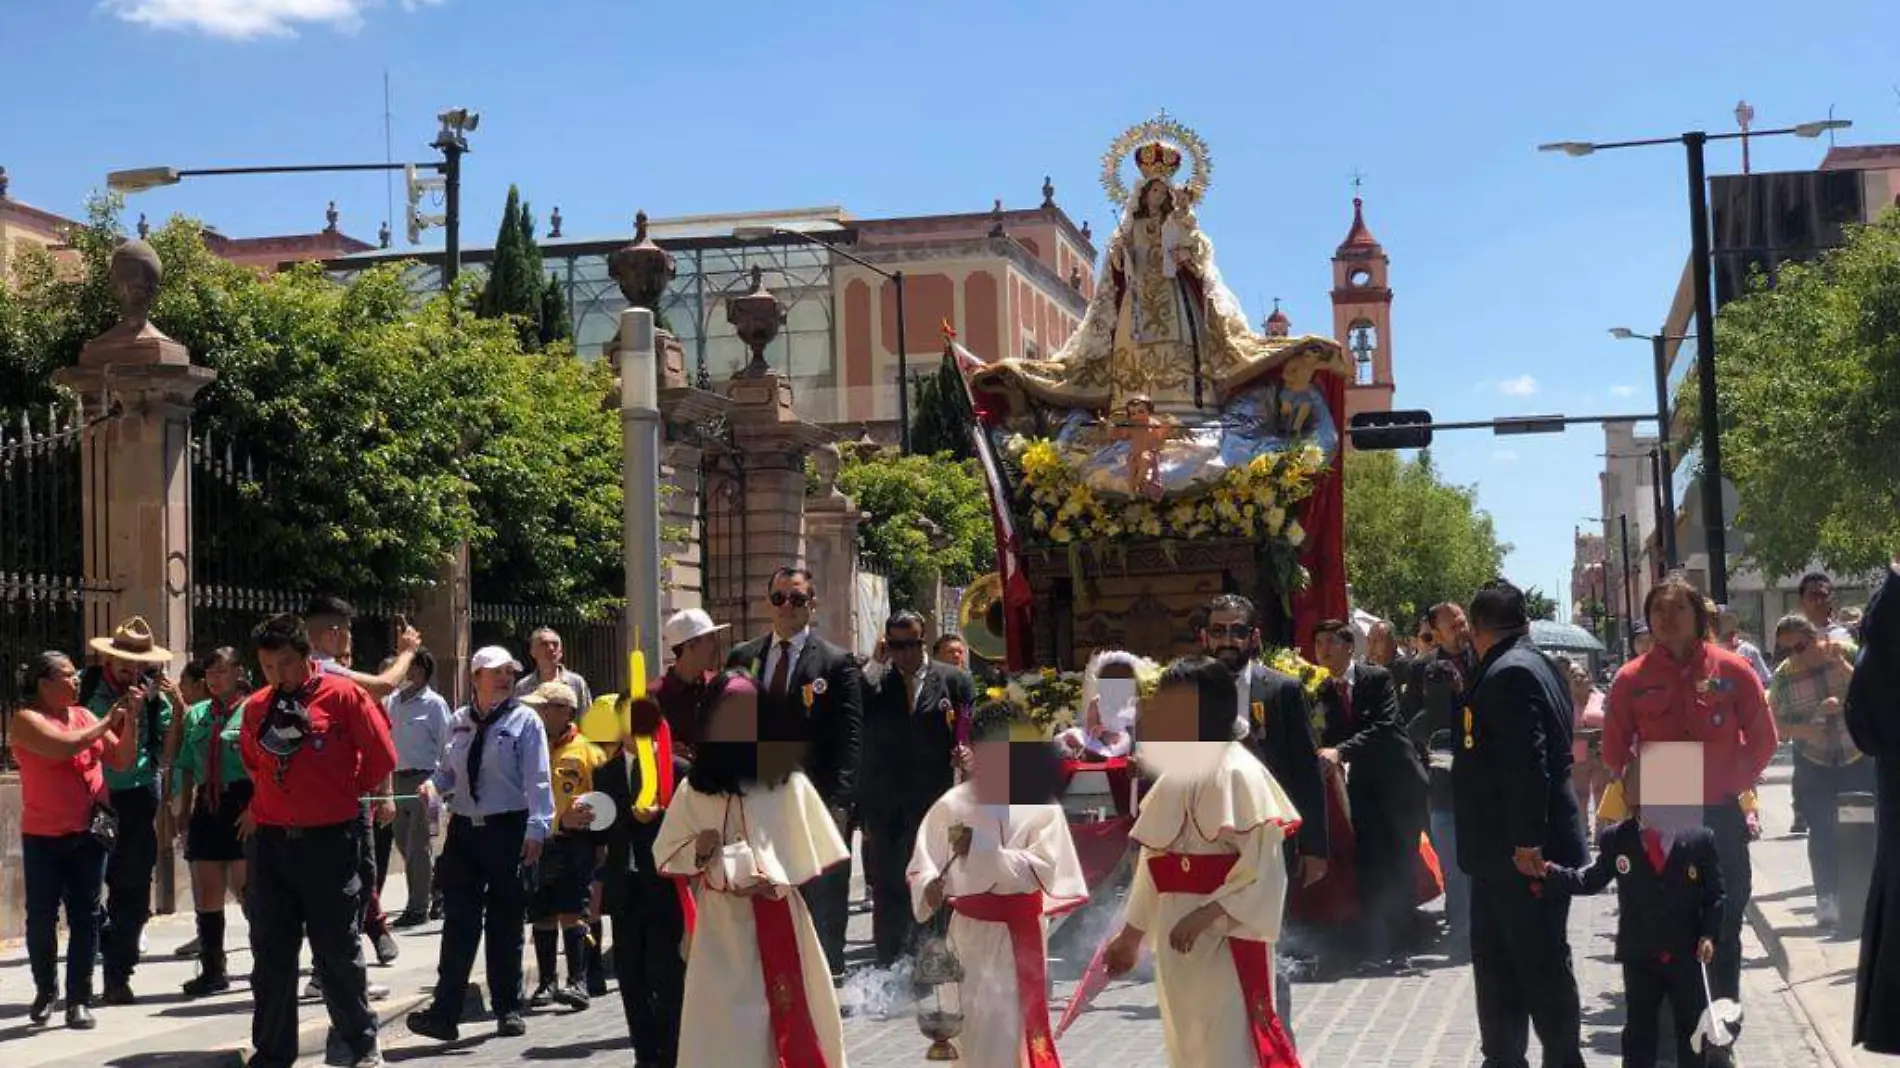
(1758,223)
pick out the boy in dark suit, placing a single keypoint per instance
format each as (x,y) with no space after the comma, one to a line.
(1669,902)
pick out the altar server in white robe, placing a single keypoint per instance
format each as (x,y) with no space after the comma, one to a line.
(996,850)
(749,829)
(1210,881)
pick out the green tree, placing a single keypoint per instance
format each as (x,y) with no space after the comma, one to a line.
(929,519)
(940,413)
(514,283)
(556,325)
(386,431)
(1809,386)
(1540,605)
(1413,540)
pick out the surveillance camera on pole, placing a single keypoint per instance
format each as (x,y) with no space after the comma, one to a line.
(418,187)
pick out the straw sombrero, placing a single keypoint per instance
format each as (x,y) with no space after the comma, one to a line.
(132,641)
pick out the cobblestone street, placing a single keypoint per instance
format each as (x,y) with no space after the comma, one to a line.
(1424,1021)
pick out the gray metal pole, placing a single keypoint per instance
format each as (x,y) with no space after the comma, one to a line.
(1629,608)
(1666,480)
(640,481)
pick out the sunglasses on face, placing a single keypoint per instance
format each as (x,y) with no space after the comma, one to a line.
(899,645)
(797,600)
(1797,650)
(1230,630)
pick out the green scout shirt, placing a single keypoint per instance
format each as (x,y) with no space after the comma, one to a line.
(154,726)
(194,747)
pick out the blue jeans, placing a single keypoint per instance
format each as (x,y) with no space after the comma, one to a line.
(1444,835)
(67,870)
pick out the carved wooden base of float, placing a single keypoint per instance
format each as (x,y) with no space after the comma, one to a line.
(1146,597)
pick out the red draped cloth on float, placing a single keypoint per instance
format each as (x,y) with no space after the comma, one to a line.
(1101,844)
(1324,519)
(794,1040)
(1203,873)
(1335,899)
(1022,915)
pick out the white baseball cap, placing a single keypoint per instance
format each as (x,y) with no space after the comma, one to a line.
(489,657)
(686,625)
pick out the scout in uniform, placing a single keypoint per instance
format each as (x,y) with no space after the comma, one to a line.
(566,872)
(213,799)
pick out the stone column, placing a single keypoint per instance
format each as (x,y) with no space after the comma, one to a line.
(831,552)
(443,615)
(136,496)
(688,412)
(772,442)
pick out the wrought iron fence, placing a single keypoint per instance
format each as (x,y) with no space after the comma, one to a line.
(44,595)
(233,585)
(592,644)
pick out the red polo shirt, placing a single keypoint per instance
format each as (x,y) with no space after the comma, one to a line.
(346,757)
(1715,699)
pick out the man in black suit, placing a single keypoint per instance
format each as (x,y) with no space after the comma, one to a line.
(911,709)
(1272,708)
(1385,788)
(1431,708)
(811,692)
(1516,810)
(647,908)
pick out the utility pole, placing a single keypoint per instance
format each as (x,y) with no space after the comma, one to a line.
(1629,608)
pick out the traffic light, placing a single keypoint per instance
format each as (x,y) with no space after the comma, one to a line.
(1384,431)
(417,188)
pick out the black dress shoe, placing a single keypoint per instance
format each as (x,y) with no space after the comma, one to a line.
(431,1024)
(42,1009)
(408,920)
(511,1025)
(117,994)
(207,985)
(79,1018)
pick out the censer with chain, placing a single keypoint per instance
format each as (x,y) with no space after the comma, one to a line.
(939,969)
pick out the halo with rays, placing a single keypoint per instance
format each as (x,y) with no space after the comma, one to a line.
(1164,129)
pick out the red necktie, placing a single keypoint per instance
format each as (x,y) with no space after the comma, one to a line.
(1345,703)
(782,671)
(1652,845)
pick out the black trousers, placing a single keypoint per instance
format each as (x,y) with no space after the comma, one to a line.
(1647,985)
(385,843)
(485,903)
(67,870)
(648,928)
(1522,971)
(302,885)
(892,834)
(1738,884)
(1386,851)
(829,899)
(129,871)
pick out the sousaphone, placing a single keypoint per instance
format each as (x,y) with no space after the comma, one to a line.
(980,618)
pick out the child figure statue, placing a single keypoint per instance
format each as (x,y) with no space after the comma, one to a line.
(1145,432)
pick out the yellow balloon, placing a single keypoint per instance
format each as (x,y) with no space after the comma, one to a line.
(601,723)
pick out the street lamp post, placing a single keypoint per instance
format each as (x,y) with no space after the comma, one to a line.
(1629,595)
(1693,142)
(760,233)
(1659,345)
(452,142)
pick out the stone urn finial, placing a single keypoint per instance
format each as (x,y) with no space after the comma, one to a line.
(756,317)
(554,223)
(135,274)
(642,269)
(330,218)
(1048,192)
(824,466)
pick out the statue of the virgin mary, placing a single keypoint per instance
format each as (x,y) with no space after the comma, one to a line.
(1163,331)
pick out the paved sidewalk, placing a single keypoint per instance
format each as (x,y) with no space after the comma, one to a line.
(167,1029)
(1818,966)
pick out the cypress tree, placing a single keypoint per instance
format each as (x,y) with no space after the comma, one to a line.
(555,324)
(514,276)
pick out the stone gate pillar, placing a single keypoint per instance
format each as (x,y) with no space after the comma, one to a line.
(136,493)
(831,552)
(770,511)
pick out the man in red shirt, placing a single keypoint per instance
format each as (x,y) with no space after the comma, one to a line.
(1688,689)
(314,744)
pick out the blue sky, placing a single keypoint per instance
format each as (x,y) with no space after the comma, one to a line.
(1508,265)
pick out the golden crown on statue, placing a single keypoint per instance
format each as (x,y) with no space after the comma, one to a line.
(1158,147)
(1157,160)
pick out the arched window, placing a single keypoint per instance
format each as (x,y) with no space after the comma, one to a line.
(1362,339)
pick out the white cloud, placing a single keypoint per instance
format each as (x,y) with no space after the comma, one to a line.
(1504,455)
(1622,391)
(1521,386)
(243,20)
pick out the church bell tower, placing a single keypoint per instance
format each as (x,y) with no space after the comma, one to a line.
(1362,316)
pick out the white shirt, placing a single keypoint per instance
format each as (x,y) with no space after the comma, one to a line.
(1243,689)
(772,654)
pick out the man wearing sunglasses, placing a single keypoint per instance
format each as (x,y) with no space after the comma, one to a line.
(912,707)
(810,691)
(1280,732)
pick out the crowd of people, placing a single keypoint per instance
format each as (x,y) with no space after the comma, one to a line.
(711,836)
